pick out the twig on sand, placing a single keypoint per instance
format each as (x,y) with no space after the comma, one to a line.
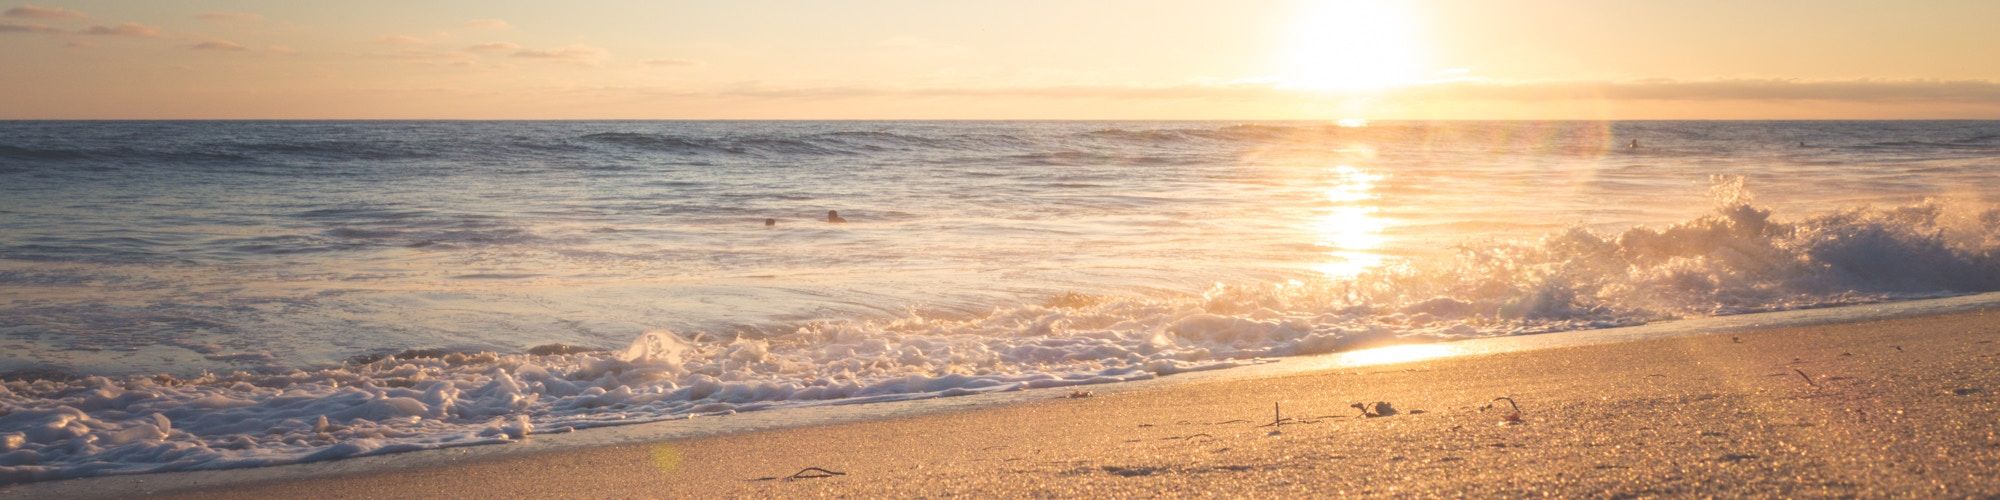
(1511,418)
(1379,409)
(815,473)
(1278,418)
(806,473)
(1191,422)
(1190,436)
(1809,380)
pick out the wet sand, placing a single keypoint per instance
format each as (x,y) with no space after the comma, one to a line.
(1901,407)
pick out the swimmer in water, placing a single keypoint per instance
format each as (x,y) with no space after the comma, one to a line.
(833,216)
(770,222)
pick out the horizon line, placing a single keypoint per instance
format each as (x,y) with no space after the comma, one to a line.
(1325,120)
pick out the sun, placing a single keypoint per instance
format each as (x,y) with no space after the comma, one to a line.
(1352,45)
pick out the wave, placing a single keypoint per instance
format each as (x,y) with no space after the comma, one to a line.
(1088,158)
(883,141)
(21,153)
(345,150)
(1739,258)
(836,143)
(188,156)
(697,144)
(1929,146)
(1053,150)
(839,143)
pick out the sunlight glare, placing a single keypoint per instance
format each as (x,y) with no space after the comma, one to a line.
(1351,229)
(1395,354)
(1352,45)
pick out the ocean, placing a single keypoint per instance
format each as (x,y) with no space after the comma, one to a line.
(196,295)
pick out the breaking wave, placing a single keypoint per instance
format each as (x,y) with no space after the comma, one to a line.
(1739,258)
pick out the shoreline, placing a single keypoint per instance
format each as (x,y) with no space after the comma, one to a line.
(767,437)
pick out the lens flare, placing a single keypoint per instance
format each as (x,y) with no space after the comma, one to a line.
(666,458)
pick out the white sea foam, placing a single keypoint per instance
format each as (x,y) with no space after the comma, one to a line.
(1738,259)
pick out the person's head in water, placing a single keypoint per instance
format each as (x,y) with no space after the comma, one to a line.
(770,222)
(834,216)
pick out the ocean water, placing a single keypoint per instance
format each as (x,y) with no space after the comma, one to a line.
(188,295)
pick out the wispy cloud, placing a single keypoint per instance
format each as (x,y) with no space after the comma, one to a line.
(230,17)
(488,24)
(426,55)
(219,46)
(1724,90)
(1934,91)
(124,29)
(404,40)
(28,28)
(577,53)
(493,47)
(39,12)
(671,62)
(911,45)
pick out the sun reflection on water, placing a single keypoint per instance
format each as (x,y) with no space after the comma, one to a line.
(1350,228)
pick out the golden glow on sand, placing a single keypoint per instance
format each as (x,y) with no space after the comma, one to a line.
(1353,45)
(1395,354)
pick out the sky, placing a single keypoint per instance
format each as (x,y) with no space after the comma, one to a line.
(1017,59)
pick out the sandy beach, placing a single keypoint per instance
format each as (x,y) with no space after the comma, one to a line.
(1898,407)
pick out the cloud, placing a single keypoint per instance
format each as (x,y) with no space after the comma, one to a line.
(488,24)
(493,47)
(38,12)
(921,46)
(124,29)
(219,46)
(27,28)
(226,17)
(1867,90)
(1875,91)
(573,53)
(424,55)
(405,40)
(671,62)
